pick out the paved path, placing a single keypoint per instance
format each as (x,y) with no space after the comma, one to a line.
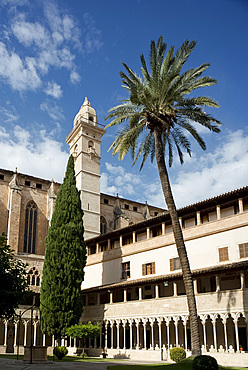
(9,364)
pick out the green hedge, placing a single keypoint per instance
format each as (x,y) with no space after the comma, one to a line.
(177,354)
(60,352)
(205,363)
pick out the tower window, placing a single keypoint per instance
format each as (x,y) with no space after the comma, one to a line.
(29,245)
(103,225)
(27,183)
(90,144)
(38,186)
(91,118)
(105,201)
(1,177)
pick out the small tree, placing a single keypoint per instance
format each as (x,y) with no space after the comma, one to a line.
(65,258)
(84,331)
(13,279)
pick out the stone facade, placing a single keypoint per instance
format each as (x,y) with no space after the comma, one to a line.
(133,282)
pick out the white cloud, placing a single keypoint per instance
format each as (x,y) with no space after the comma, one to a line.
(54,111)
(38,155)
(8,114)
(75,77)
(92,35)
(20,74)
(215,172)
(54,90)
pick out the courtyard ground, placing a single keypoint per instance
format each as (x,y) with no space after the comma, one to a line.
(10,363)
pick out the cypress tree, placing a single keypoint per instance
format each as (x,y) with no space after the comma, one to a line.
(65,258)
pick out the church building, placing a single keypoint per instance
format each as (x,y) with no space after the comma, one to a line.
(133,280)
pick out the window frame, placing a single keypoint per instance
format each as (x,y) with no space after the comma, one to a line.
(125,270)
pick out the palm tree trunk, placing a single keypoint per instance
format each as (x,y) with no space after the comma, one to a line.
(181,249)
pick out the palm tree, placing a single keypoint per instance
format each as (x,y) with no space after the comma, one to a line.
(159,114)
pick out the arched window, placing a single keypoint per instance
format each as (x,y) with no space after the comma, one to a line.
(33,277)
(103,225)
(90,144)
(30,228)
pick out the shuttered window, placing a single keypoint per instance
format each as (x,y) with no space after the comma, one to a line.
(243,250)
(125,270)
(175,264)
(148,268)
(223,254)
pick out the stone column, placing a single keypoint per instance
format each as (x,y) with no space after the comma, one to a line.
(217,283)
(181,221)
(241,206)
(148,233)
(185,334)
(242,279)
(144,331)
(168,337)
(109,244)
(112,334)
(198,218)
(120,240)
(156,291)
(25,332)
(204,334)
(236,332)
(124,334)
(152,322)
(106,335)
(53,341)
(125,295)
(163,228)
(174,289)
(97,247)
(110,297)
(225,335)
(218,212)
(44,340)
(134,237)
(214,331)
(160,333)
(15,335)
(131,333)
(140,293)
(176,331)
(137,325)
(35,332)
(118,334)
(5,332)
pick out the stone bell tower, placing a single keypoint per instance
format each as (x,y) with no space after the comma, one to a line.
(85,146)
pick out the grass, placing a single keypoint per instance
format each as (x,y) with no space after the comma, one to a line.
(182,365)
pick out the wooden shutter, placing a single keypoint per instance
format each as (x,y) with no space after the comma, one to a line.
(153,267)
(223,254)
(143,269)
(172,264)
(243,250)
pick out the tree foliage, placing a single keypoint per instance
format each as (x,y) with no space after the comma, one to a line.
(84,331)
(65,258)
(13,279)
(159,115)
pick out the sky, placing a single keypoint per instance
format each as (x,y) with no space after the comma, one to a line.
(54,53)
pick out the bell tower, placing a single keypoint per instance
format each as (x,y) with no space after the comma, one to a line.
(85,145)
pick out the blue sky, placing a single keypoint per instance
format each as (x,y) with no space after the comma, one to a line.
(54,53)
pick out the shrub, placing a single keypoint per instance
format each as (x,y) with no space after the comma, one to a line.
(205,363)
(60,352)
(177,354)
